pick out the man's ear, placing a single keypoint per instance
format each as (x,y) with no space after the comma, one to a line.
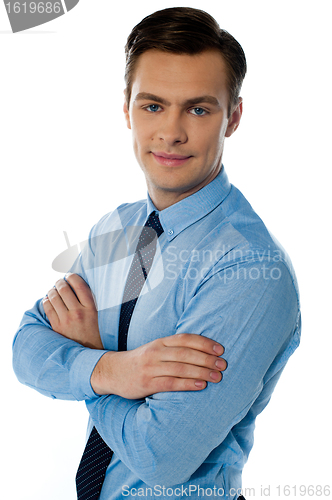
(234,119)
(126,112)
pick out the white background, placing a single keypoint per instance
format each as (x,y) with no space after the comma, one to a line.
(66,160)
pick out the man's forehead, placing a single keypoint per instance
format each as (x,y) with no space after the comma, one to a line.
(190,77)
(153,60)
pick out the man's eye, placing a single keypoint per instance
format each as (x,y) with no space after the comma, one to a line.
(153,108)
(198,111)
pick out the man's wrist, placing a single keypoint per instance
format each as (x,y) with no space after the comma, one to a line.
(80,371)
(102,379)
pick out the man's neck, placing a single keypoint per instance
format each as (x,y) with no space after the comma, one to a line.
(163,198)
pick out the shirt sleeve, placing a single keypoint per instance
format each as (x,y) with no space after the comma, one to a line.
(165,438)
(47,361)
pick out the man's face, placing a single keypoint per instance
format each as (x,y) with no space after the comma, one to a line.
(178,117)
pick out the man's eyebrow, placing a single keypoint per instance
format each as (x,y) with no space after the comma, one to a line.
(145,96)
(209,99)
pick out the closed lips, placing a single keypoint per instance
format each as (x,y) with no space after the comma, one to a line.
(170,156)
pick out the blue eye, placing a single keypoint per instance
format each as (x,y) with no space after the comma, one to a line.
(153,108)
(198,111)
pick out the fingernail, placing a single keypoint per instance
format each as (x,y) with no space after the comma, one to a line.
(218,349)
(220,363)
(214,375)
(199,383)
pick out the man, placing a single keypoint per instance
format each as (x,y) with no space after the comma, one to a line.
(178,280)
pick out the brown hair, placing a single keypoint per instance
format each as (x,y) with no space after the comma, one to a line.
(184,30)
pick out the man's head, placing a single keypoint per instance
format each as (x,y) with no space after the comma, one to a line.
(183,30)
(182,100)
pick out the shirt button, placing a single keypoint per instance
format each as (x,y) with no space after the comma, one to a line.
(170,232)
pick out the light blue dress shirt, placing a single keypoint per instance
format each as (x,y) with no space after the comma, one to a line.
(217,272)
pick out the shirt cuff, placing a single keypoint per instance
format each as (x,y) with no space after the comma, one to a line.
(81,371)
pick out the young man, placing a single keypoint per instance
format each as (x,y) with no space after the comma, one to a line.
(178,279)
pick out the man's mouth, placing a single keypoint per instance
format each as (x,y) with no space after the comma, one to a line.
(170,159)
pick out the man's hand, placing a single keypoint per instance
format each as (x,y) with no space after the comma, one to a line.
(182,362)
(74,315)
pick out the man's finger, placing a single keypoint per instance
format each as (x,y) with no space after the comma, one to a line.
(194,357)
(50,312)
(67,295)
(194,341)
(171,384)
(57,302)
(187,371)
(81,289)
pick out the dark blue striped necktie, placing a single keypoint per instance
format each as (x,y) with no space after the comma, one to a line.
(97,455)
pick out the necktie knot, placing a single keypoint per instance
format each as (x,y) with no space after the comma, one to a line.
(154,222)
(150,233)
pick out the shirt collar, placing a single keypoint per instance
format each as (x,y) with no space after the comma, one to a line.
(181,215)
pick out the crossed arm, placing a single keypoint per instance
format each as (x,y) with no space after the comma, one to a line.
(184,362)
(148,397)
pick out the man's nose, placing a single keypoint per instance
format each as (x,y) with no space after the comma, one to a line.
(172,130)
